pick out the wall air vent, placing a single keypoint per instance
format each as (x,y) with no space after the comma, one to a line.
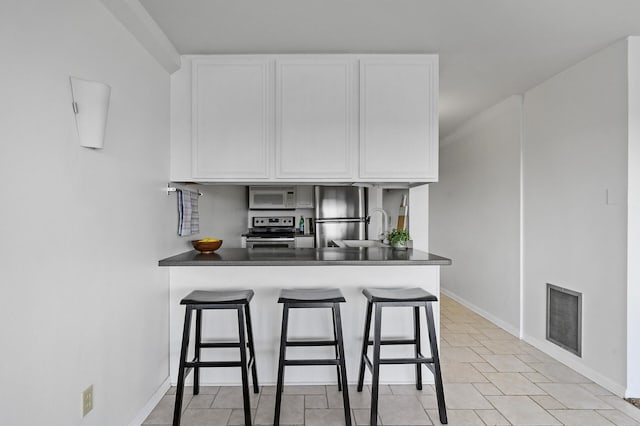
(564,318)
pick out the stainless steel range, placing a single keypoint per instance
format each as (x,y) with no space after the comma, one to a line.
(271,232)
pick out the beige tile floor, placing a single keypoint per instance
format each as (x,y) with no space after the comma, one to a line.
(491,378)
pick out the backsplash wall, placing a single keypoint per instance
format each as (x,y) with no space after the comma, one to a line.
(223,214)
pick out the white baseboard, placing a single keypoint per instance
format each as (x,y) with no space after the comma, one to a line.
(151,404)
(569,360)
(497,321)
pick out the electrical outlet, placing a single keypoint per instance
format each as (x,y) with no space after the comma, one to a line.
(87,400)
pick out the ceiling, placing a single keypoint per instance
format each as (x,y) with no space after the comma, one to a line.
(489,49)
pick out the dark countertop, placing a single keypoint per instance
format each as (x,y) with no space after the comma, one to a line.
(305,257)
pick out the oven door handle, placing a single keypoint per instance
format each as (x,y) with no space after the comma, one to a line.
(270,240)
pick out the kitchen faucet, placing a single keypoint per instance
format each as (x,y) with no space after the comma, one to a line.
(385,221)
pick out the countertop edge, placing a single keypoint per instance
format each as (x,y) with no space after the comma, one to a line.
(193,258)
(307,263)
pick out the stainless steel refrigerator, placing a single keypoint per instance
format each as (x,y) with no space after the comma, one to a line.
(340,214)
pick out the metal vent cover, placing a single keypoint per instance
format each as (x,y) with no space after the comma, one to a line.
(564,318)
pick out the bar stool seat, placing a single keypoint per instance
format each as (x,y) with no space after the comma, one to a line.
(312,298)
(398,294)
(400,297)
(314,295)
(198,301)
(232,297)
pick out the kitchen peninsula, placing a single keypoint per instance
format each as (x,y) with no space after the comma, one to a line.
(266,271)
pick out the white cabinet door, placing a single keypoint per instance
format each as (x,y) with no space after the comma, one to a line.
(399,118)
(232,117)
(315,118)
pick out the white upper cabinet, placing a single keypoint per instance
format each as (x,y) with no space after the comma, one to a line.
(315,118)
(399,118)
(232,116)
(305,118)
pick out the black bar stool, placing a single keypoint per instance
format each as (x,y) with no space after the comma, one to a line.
(199,301)
(313,298)
(403,297)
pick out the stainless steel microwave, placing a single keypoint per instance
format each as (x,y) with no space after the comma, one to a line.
(272,197)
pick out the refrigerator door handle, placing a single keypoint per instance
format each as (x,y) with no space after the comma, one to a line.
(343,220)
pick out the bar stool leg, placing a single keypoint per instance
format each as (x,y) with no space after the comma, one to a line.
(243,367)
(177,411)
(198,342)
(433,340)
(335,338)
(365,345)
(283,350)
(252,351)
(345,390)
(418,351)
(376,365)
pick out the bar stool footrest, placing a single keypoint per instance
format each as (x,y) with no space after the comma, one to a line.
(205,364)
(420,360)
(221,345)
(312,362)
(406,361)
(394,342)
(311,343)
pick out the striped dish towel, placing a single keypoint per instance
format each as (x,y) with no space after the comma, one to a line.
(195,216)
(188,217)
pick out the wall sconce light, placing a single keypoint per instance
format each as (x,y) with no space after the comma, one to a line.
(90,106)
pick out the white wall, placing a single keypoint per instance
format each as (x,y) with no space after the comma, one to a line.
(419,217)
(180,167)
(83,300)
(575,182)
(633,218)
(475,213)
